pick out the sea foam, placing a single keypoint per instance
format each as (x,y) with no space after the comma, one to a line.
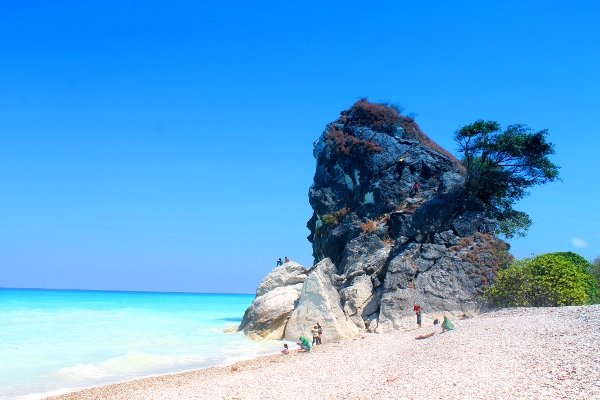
(52,341)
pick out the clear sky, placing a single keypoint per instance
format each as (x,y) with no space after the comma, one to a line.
(167,145)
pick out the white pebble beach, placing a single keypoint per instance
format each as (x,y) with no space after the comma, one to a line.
(525,353)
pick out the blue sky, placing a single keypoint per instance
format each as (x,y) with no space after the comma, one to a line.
(150,145)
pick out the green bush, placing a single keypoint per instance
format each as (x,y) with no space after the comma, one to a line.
(553,279)
(329,219)
(596,270)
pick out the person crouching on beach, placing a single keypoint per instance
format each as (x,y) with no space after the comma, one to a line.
(285,349)
(304,343)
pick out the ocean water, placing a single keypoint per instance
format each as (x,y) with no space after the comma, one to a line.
(57,340)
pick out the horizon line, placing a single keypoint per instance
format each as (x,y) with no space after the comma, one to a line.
(120,291)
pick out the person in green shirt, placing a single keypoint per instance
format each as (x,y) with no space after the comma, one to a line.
(304,343)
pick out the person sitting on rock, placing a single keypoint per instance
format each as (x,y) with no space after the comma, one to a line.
(315,334)
(304,343)
(279,262)
(286,260)
(285,349)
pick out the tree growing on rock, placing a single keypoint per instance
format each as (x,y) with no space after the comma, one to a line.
(502,165)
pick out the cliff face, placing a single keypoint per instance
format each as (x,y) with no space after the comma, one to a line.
(389,243)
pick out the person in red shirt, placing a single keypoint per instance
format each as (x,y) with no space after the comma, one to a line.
(415,188)
(417,310)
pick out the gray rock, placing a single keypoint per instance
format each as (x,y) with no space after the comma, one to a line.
(366,254)
(267,316)
(275,299)
(355,297)
(320,302)
(447,238)
(451,181)
(432,251)
(290,273)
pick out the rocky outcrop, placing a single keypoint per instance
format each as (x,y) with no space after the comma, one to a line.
(276,297)
(320,302)
(381,244)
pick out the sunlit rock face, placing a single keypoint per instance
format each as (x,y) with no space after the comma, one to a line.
(392,226)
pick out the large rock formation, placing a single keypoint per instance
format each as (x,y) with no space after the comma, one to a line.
(381,245)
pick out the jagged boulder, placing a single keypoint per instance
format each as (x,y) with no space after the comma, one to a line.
(357,297)
(276,297)
(431,245)
(289,274)
(320,302)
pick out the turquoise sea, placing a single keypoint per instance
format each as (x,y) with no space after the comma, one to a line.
(52,341)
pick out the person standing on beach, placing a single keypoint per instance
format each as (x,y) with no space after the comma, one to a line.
(417,310)
(315,334)
(319,338)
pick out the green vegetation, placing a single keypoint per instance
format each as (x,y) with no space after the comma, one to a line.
(596,270)
(334,218)
(330,219)
(501,165)
(553,279)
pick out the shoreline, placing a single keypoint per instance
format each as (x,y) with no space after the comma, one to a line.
(62,392)
(549,353)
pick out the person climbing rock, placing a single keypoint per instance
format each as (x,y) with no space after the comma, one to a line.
(400,166)
(415,188)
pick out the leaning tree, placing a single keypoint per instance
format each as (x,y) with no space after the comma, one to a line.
(501,165)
